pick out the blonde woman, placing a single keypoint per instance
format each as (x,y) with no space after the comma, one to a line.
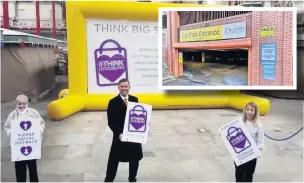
(21,166)
(244,172)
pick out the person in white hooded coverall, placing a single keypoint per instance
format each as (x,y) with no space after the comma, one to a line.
(21,166)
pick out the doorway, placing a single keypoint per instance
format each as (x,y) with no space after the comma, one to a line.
(217,67)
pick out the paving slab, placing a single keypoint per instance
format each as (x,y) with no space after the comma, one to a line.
(5,142)
(187,129)
(78,151)
(62,178)
(5,154)
(70,139)
(54,152)
(94,177)
(71,166)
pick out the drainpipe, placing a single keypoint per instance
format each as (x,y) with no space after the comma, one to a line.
(37,18)
(5,15)
(54,19)
(16,10)
(63,11)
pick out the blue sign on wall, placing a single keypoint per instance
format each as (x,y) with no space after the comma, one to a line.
(268,54)
(268,71)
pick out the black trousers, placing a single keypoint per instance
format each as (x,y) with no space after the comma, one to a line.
(112,169)
(244,172)
(21,167)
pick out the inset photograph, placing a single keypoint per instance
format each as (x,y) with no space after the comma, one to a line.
(249,49)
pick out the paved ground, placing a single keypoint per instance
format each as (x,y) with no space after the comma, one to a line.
(203,74)
(76,149)
(169,80)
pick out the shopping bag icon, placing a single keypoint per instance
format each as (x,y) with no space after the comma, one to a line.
(237,139)
(26,150)
(137,119)
(25,125)
(111,64)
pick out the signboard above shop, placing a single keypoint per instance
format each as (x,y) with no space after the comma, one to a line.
(212,33)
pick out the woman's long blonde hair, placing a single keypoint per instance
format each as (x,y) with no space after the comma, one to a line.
(256,117)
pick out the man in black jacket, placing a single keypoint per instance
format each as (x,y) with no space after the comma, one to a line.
(121,151)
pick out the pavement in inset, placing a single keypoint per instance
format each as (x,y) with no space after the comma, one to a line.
(206,74)
(76,149)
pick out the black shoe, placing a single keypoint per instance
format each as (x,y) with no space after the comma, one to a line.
(133,180)
(106,180)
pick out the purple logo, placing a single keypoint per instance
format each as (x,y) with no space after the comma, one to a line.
(26,150)
(137,119)
(110,67)
(25,125)
(237,139)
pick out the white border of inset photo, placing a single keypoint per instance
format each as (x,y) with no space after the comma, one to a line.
(160,44)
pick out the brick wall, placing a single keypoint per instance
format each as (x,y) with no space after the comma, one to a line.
(174,25)
(169,42)
(282,22)
(172,53)
(288,49)
(164,45)
(255,45)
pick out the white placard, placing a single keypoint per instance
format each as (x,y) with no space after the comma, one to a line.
(137,123)
(25,139)
(119,49)
(239,142)
(234,30)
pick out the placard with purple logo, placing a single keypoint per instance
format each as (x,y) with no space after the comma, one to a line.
(136,127)
(239,142)
(25,139)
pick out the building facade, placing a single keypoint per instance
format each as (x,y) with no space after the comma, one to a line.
(44,18)
(266,35)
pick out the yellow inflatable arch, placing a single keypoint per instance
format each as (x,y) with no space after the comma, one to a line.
(78,98)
